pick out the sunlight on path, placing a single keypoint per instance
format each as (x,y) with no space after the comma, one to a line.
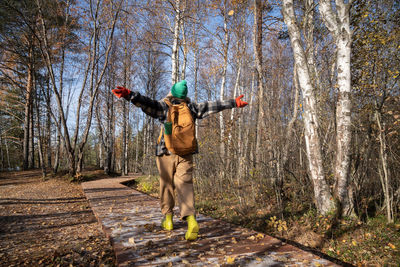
(132,221)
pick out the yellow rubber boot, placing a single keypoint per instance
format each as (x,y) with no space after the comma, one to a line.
(167,223)
(193,228)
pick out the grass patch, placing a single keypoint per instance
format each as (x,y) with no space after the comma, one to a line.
(373,242)
(148,184)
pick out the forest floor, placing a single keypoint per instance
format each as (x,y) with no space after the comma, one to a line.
(48,222)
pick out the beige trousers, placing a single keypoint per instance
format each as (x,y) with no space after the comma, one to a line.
(176,173)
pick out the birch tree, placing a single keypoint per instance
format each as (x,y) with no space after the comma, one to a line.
(323,197)
(175,48)
(337,20)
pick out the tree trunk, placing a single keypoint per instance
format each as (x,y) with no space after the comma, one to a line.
(175,52)
(8,154)
(32,133)
(48,125)
(40,140)
(124,109)
(384,177)
(196,71)
(126,168)
(185,49)
(124,141)
(338,22)
(137,142)
(58,148)
(28,109)
(102,134)
(247,148)
(258,21)
(225,46)
(235,93)
(323,197)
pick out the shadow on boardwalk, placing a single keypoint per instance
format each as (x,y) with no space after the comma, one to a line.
(132,221)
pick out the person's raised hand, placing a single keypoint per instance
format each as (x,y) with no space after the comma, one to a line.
(121,91)
(240,103)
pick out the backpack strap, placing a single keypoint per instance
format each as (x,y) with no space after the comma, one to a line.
(167,102)
(160,136)
(161,131)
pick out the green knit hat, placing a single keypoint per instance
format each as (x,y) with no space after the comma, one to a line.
(179,90)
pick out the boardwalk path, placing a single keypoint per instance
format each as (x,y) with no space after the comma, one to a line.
(132,221)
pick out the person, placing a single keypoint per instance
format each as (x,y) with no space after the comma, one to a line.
(176,171)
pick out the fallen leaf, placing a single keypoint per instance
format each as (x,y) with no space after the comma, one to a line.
(230,260)
(260,236)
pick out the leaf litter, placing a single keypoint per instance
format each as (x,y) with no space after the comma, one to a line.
(48,223)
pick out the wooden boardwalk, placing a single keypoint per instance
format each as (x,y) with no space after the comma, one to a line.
(132,219)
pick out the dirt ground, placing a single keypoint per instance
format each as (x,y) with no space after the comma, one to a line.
(48,223)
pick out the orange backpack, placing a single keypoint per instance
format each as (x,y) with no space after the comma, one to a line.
(182,140)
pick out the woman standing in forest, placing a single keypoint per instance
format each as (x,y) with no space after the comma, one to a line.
(176,145)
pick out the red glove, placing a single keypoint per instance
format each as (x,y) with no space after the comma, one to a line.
(121,92)
(240,103)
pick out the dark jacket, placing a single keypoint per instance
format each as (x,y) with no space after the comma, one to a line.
(159,110)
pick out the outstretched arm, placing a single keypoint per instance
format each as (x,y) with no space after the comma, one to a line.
(153,108)
(204,109)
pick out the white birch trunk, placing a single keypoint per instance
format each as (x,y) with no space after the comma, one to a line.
(222,89)
(185,50)
(175,55)
(338,23)
(323,197)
